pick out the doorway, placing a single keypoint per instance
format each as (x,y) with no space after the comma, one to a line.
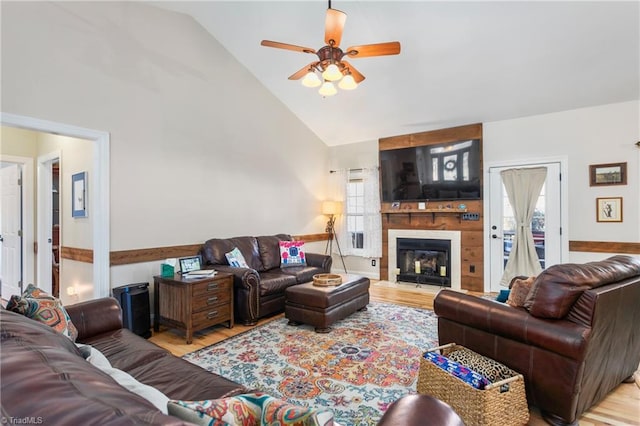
(547,225)
(49,222)
(98,202)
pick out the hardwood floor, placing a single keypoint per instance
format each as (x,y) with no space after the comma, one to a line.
(620,407)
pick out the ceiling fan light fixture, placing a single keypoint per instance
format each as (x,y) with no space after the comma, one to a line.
(348,83)
(311,79)
(328,89)
(332,73)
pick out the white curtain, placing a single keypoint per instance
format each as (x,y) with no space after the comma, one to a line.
(523,188)
(372,225)
(372,221)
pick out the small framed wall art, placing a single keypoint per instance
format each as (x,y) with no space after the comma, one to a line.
(609,209)
(79,194)
(608,174)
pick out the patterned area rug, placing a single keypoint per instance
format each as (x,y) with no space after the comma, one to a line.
(366,362)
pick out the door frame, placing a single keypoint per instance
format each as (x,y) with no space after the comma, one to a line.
(99,200)
(564,211)
(45,221)
(28,257)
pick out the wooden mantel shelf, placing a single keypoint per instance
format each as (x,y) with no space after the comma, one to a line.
(433,212)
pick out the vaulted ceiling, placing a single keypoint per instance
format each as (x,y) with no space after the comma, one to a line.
(461,62)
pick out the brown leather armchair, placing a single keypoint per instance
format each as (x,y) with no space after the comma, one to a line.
(575,339)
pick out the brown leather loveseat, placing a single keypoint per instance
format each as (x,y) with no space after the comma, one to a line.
(259,289)
(46,380)
(576,338)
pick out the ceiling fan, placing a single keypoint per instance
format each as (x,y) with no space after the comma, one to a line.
(330,64)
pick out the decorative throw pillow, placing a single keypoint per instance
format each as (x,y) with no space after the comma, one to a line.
(292,253)
(45,309)
(520,291)
(36,293)
(236,259)
(487,367)
(458,370)
(249,409)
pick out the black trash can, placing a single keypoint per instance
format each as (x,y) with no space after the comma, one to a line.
(134,301)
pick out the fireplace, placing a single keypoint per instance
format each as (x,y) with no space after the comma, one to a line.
(423,261)
(437,252)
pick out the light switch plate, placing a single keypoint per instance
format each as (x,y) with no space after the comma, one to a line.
(422,206)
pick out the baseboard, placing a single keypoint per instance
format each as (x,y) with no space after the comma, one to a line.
(370,275)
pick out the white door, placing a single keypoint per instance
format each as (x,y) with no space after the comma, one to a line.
(546,224)
(11,262)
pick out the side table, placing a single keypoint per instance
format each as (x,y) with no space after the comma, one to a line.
(192,304)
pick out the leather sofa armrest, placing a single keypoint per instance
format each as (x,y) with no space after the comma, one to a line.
(246,292)
(95,317)
(559,336)
(320,261)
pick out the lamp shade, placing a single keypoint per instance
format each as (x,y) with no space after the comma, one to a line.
(332,73)
(311,79)
(331,207)
(327,89)
(347,83)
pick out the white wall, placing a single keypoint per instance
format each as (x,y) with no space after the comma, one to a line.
(597,135)
(199,148)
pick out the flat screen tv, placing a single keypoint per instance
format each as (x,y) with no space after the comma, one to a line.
(447,171)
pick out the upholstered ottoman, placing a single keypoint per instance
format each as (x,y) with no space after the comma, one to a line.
(322,306)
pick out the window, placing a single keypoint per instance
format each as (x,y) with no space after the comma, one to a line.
(355,210)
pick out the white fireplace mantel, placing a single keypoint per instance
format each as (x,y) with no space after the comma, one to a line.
(453,236)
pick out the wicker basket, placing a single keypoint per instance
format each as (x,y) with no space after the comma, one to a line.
(327,280)
(500,403)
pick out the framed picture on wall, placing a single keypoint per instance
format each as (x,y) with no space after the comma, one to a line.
(608,174)
(79,194)
(609,209)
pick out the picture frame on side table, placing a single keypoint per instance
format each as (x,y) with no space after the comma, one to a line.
(79,195)
(609,209)
(608,174)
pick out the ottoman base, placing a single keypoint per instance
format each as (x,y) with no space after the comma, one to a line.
(322,306)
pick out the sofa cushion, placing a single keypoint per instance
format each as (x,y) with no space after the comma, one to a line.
(292,253)
(558,287)
(42,307)
(24,331)
(214,251)
(275,282)
(303,274)
(151,394)
(269,247)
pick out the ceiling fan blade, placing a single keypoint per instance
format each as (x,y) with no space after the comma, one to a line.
(378,49)
(278,45)
(333,26)
(354,72)
(302,71)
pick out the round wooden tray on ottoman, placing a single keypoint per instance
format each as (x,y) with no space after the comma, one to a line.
(327,280)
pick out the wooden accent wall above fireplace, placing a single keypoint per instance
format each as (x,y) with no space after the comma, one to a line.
(409,216)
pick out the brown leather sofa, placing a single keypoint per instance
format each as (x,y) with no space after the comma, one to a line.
(45,378)
(259,289)
(575,339)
